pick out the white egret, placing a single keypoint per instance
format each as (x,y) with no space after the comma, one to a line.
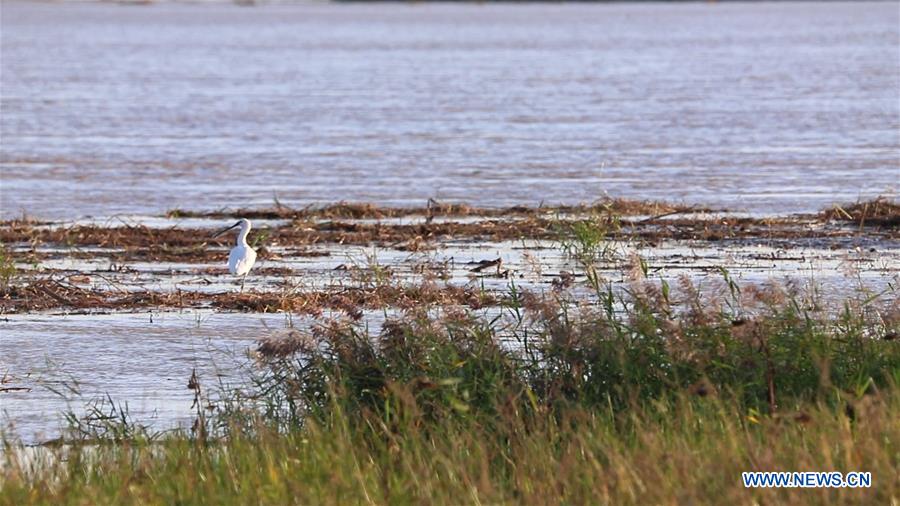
(242,256)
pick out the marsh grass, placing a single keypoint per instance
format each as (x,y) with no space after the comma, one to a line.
(106,421)
(689,450)
(881,212)
(762,348)
(655,394)
(36,294)
(356,211)
(589,240)
(8,269)
(339,224)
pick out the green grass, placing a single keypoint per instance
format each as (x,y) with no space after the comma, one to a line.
(636,400)
(8,269)
(587,240)
(686,451)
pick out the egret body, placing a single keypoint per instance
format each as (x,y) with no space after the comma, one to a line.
(242,256)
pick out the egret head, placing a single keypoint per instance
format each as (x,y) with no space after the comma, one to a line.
(244,223)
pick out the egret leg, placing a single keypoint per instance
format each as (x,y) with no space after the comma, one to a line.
(243,278)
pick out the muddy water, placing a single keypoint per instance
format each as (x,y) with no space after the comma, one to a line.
(752,106)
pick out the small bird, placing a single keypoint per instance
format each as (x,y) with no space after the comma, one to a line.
(242,256)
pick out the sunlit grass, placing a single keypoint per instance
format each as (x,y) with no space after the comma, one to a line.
(689,450)
(651,395)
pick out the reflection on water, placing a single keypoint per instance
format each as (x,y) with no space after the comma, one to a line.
(775,107)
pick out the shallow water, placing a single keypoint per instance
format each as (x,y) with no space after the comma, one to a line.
(145,358)
(770,107)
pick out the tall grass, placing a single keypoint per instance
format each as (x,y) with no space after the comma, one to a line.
(651,396)
(587,240)
(688,450)
(766,352)
(7,268)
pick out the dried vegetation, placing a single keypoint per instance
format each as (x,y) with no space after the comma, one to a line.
(50,293)
(340,224)
(584,232)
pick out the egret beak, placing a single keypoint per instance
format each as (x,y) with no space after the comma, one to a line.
(220,232)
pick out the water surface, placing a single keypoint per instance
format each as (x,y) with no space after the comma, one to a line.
(772,107)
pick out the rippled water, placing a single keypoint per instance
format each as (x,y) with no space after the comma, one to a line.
(142,360)
(761,106)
